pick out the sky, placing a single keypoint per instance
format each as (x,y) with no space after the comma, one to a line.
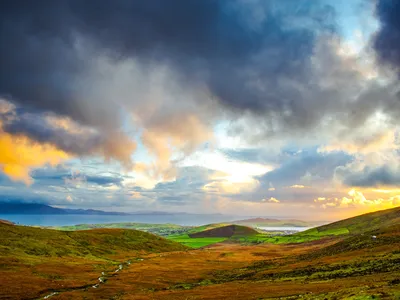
(246,107)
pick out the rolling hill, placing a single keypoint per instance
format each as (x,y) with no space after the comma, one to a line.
(36,262)
(225,231)
(357,258)
(357,225)
(24,240)
(365,222)
(361,265)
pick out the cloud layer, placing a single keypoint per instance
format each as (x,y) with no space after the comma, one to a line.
(146,84)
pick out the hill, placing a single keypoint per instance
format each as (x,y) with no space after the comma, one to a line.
(225,231)
(388,237)
(350,266)
(359,224)
(35,262)
(23,240)
(348,227)
(365,222)
(363,264)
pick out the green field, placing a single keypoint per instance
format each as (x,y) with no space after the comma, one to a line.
(158,229)
(195,242)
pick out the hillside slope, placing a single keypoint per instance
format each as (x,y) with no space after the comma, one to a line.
(23,240)
(35,261)
(225,231)
(352,267)
(358,224)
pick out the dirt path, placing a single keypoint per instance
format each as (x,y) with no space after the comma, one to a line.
(101,280)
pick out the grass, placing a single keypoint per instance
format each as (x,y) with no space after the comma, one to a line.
(336,268)
(196,242)
(339,261)
(362,223)
(207,227)
(349,227)
(214,233)
(159,229)
(33,260)
(225,231)
(23,240)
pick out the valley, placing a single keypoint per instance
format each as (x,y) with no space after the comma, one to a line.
(357,258)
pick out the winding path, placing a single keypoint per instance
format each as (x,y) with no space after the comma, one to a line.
(102,279)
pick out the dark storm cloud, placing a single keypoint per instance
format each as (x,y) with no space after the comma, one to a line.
(36,127)
(371,177)
(272,61)
(387,39)
(40,66)
(230,46)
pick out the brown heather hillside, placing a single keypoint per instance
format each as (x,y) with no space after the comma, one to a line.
(326,270)
(34,261)
(24,240)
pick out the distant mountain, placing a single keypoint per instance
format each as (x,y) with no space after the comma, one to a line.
(43,209)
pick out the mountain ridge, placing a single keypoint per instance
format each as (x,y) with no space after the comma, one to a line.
(8,208)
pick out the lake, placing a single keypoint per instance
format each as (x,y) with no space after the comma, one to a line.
(64,220)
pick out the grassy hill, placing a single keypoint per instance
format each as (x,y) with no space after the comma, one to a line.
(225,231)
(347,227)
(385,237)
(207,227)
(35,261)
(25,240)
(363,223)
(215,233)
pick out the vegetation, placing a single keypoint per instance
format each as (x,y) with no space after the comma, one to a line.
(343,260)
(353,226)
(23,240)
(159,229)
(215,233)
(34,259)
(225,231)
(362,223)
(355,267)
(196,242)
